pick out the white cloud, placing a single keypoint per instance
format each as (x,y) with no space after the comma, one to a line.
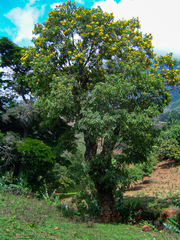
(31,2)
(57,4)
(24,20)
(159,17)
(54,5)
(80,1)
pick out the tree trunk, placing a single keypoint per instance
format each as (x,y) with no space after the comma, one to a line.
(91,146)
(98,167)
(18,168)
(106,202)
(26,132)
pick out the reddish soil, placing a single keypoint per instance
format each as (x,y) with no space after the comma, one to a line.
(163,182)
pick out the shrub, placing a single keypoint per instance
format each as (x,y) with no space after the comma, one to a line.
(169,149)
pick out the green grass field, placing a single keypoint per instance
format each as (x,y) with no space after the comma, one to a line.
(26,218)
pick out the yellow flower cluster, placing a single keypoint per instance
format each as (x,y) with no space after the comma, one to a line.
(165,67)
(100,37)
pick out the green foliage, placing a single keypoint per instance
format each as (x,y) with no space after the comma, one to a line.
(63,177)
(37,159)
(175,227)
(138,171)
(128,212)
(60,178)
(77,170)
(35,149)
(30,151)
(49,197)
(172,132)
(170,149)
(10,55)
(170,138)
(135,173)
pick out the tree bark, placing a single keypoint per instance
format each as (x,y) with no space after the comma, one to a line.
(18,168)
(105,189)
(91,146)
(106,202)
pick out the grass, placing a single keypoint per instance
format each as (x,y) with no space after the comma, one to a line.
(26,218)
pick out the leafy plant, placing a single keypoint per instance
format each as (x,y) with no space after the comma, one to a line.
(169,149)
(175,227)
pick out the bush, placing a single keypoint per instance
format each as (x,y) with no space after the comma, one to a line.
(138,171)
(37,160)
(7,187)
(169,149)
(172,132)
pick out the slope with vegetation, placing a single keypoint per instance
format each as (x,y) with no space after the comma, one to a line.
(113,102)
(87,69)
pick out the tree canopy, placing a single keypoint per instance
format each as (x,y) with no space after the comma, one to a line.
(102,75)
(14,75)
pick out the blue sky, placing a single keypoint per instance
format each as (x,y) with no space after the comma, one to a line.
(159,17)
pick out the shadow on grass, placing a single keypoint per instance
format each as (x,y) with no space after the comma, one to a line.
(135,188)
(169,164)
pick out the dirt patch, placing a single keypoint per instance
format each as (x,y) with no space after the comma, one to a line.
(163,182)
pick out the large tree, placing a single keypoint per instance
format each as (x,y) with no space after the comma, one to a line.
(97,73)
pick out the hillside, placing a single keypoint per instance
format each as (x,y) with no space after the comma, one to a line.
(175,101)
(164,182)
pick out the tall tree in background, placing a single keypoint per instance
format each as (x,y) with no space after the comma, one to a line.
(16,115)
(97,72)
(19,117)
(13,86)
(14,72)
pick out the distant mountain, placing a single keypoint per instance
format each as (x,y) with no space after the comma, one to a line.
(178,62)
(175,101)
